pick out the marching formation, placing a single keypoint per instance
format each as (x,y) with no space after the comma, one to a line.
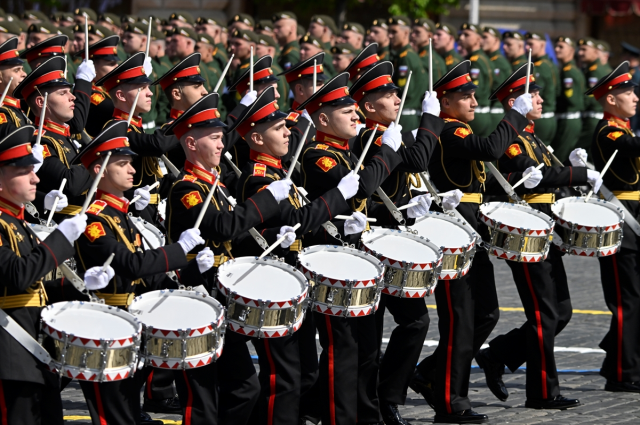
(163,204)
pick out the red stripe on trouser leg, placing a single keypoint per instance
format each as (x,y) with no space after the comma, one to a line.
(187,410)
(3,407)
(272,383)
(619,302)
(447,383)
(149,378)
(332,406)
(99,406)
(543,361)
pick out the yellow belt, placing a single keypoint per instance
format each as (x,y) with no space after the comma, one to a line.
(218,260)
(472,198)
(23,300)
(118,300)
(538,198)
(155,199)
(627,195)
(296,246)
(71,210)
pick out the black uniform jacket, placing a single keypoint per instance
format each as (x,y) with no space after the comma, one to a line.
(11,116)
(100,110)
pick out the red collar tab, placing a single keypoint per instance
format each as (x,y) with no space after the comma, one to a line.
(296,75)
(295,107)
(122,115)
(448,117)
(47,51)
(9,54)
(619,121)
(10,101)
(102,51)
(456,82)
(183,127)
(610,85)
(261,113)
(175,113)
(49,76)
(62,130)
(199,173)
(170,79)
(530,128)
(126,75)
(355,70)
(90,156)
(371,123)
(371,85)
(243,85)
(12,209)
(113,201)
(515,86)
(314,105)
(15,152)
(265,158)
(332,140)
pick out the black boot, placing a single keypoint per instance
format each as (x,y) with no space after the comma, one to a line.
(467,416)
(622,387)
(390,414)
(145,419)
(166,405)
(493,371)
(423,386)
(558,403)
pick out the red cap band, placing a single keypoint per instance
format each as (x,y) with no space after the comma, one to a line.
(373,84)
(244,84)
(184,126)
(44,52)
(102,51)
(266,110)
(126,75)
(456,82)
(515,86)
(187,72)
(332,95)
(89,157)
(16,152)
(293,76)
(53,75)
(601,91)
(10,54)
(353,72)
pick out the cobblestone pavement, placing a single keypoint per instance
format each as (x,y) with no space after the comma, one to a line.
(578,359)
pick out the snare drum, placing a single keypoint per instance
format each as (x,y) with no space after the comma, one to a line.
(518,232)
(588,229)
(346,282)
(41,231)
(412,263)
(182,329)
(265,297)
(455,237)
(91,341)
(152,238)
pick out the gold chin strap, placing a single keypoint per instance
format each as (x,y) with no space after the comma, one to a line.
(481,175)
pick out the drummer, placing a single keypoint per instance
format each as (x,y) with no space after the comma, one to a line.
(542,286)
(29,393)
(201,132)
(264,128)
(11,73)
(467,307)
(620,279)
(111,230)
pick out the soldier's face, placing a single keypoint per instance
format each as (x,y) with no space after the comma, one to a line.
(259,88)
(378,35)
(18,184)
(127,95)
(283,29)
(78,42)
(564,52)
(103,67)
(187,94)
(353,38)
(133,42)
(341,62)
(339,121)
(587,54)
(512,47)
(537,47)
(490,43)
(181,46)
(303,89)
(419,36)
(7,72)
(623,101)
(240,48)
(307,50)
(272,138)
(398,36)
(36,37)
(265,51)
(206,144)
(60,104)
(118,175)
(537,101)
(469,40)
(316,30)
(382,107)
(460,105)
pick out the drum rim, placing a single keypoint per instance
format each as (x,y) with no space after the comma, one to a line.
(392,261)
(583,228)
(514,229)
(462,224)
(342,282)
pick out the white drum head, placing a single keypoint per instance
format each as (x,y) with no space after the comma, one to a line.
(400,246)
(152,237)
(341,263)
(91,320)
(516,215)
(173,310)
(594,213)
(443,232)
(41,231)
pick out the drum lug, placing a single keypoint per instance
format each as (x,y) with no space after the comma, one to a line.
(523,239)
(63,354)
(494,233)
(164,351)
(572,234)
(263,307)
(183,337)
(103,358)
(245,313)
(83,359)
(330,294)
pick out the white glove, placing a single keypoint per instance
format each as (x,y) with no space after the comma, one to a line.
(424,203)
(95,278)
(392,136)
(523,104)
(148,68)
(205,259)
(249,98)
(280,189)
(356,224)
(51,197)
(578,157)
(306,115)
(360,127)
(594,179)
(73,227)
(86,71)
(349,185)
(145,197)
(36,151)
(431,104)
(189,239)
(289,236)
(534,179)
(451,199)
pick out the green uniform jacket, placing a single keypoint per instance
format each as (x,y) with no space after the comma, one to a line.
(327,66)
(482,76)
(405,60)
(213,74)
(290,55)
(547,77)
(165,61)
(592,73)
(451,59)
(283,88)
(121,53)
(518,62)
(572,87)
(501,69)
(220,56)
(439,68)
(384,53)
(159,102)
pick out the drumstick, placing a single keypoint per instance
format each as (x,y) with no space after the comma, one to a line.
(174,170)
(224,73)
(430,67)
(276,243)
(6,89)
(604,170)
(297,154)
(94,185)
(108,262)
(133,107)
(55,202)
(86,36)
(526,84)
(405,207)
(526,176)
(315,79)
(251,72)
(366,148)
(206,203)
(229,159)
(42,112)
(404,96)
(146,52)
(347,217)
(135,198)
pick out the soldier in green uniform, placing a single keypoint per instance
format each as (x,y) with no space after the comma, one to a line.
(265,27)
(267,47)
(324,28)
(158,48)
(481,75)
(604,51)
(240,43)
(183,43)
(353,33)
(444,43)
(285,30)
(111,21)
(241,21)
(378,32)
(513,46)
(205,46)
(311,46)
(37,33)
(213,27)
(405,59)
(570,101)
(547,77)
(341,56)
(593,71)
(421,33)
(501,69)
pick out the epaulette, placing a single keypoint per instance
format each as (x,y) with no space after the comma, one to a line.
(322,146)
(403,54)
(286,52)
(593,67)
(96,207)
(423,53)
(245,66)
(189,178)
(3,118)
(259,170)
(538,63)
(567,68)
(447,120)
(473,58)
(293,116)
(97,98)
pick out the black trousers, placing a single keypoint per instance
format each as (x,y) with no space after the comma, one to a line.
(404,347)
(159,385)
(620,275)
(467,313)
(28,403)
(308,349)
(115,402)
(544,292)
(198,394)
(348,369)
